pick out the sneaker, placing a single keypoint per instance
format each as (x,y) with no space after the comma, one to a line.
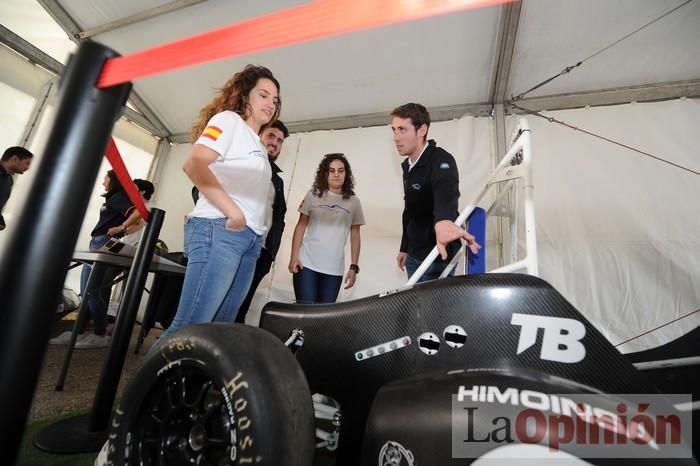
(93,341)
(64,338)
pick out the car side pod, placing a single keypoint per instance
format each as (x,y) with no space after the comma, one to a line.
(501,321)
(500,417)
(215,394)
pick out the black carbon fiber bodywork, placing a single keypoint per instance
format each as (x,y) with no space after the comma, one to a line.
(417,413)
(483,305)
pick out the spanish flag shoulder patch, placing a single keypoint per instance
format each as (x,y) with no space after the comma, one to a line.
(212,132)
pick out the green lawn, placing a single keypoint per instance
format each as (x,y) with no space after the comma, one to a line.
(29,455)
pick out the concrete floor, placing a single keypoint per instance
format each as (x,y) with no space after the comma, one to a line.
(83,374)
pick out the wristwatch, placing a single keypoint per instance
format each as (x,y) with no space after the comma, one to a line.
(355,268)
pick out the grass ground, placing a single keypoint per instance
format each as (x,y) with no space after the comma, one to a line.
(29,455)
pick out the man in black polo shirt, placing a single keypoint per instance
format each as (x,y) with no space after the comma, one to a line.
(273,137)
(431,193)
(15,160)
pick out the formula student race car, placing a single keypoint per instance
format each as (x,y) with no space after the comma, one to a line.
(448,372)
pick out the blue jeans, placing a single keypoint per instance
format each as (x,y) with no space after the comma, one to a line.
(98,298)
(433,272)
(315,287)
(220,266)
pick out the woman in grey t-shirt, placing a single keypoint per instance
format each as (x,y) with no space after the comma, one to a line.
(327,214)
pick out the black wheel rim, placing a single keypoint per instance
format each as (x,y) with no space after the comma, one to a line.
(185,419)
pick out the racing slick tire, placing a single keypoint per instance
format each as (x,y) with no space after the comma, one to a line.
(215,394)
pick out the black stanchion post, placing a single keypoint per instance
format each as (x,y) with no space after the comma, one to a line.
(38,253)
(88,432)
(94,282)
(126,316)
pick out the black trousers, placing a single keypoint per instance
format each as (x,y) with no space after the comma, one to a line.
(262,267)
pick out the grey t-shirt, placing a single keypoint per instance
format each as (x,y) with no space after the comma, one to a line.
(330,219)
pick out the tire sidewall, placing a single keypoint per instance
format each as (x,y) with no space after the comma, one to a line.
(266,395)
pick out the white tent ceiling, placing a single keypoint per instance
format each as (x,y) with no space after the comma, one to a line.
(358,73)
(452,62)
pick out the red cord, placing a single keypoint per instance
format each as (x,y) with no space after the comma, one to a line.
(307,22)
(115,159)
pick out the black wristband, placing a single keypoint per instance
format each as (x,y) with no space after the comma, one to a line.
(355,268)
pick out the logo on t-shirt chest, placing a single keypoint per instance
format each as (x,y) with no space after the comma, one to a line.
(334,208)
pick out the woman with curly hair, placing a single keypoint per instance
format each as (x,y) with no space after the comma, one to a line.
(326,215)
(228,164)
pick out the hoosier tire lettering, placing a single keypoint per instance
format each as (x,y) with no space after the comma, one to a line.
(216,394)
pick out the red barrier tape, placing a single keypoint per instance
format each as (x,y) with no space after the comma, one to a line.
(115,159)
(303,23)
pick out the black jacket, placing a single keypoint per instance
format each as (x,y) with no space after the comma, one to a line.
(5,187)
(113,212)
(279,209)
(431,194)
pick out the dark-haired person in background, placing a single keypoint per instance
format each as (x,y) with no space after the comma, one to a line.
(272,136)
(131,230)
(15,160)
(113,213)
(431,192)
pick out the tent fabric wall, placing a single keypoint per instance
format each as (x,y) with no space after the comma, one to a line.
(16,108)
(33,23)
(617,231)
(22,76)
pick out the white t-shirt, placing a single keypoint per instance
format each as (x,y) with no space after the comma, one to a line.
(242,169)
(413,164)
(330,219)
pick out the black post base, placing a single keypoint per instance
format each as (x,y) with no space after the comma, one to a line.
(70,435)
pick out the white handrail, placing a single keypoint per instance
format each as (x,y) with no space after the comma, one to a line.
(516,164)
